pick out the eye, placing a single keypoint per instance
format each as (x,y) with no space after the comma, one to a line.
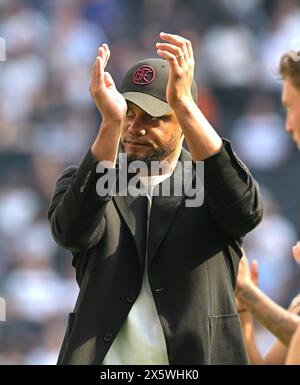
(153,118)
(129,112)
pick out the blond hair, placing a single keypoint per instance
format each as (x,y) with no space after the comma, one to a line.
(289,67)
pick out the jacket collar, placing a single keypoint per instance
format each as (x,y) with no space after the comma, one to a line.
(163,208)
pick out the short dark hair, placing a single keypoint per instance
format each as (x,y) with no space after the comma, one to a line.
(289,67)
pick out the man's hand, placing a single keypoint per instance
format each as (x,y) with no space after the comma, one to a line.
(296,252)
(203,141)
(110,103)
(178,52)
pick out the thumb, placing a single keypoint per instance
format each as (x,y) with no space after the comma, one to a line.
(109,82)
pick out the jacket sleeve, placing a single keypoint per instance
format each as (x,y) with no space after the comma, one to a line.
(232,192)
(76,211)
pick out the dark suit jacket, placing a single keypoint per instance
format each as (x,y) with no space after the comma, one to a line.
(194,255)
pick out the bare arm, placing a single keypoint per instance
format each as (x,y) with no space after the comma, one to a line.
(254,355)
(202,139)
(276,354)
(293,357)
(279,321)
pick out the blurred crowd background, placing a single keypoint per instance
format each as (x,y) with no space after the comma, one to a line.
(48,121)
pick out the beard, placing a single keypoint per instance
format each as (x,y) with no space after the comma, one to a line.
(157,155)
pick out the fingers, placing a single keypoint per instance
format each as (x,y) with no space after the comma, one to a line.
(179,42)
(93,79)
(171,58)
(243,260)
(102,59)
(104,53)
(254,272)
(296,252)
(98,78)
(175,51)
(297,246)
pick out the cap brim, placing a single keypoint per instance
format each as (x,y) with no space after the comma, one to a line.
(150,104)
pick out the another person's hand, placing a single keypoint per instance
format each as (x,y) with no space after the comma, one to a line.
(296,252)
(247,278)
(110,103)
(178,52)
(247,274)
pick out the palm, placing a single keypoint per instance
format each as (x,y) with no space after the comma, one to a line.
(178,86)
(109,101)
(172,87)
(114,103)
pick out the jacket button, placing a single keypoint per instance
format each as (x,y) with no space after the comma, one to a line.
(108,337)
(130,298)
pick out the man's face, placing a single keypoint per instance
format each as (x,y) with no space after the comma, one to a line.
(148,138)
(291,101)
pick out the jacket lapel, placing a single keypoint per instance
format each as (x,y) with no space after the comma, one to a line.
(163,209)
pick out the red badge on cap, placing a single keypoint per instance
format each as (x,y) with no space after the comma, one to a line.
(144,75)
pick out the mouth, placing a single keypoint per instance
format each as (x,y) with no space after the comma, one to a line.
(136,144)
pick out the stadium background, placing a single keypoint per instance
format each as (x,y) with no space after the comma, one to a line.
(48,121)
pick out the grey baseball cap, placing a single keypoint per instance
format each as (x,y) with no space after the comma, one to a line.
(145,85)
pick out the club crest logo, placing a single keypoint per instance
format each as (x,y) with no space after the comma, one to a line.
(144,75)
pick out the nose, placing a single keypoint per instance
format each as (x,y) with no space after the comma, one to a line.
(136,128)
